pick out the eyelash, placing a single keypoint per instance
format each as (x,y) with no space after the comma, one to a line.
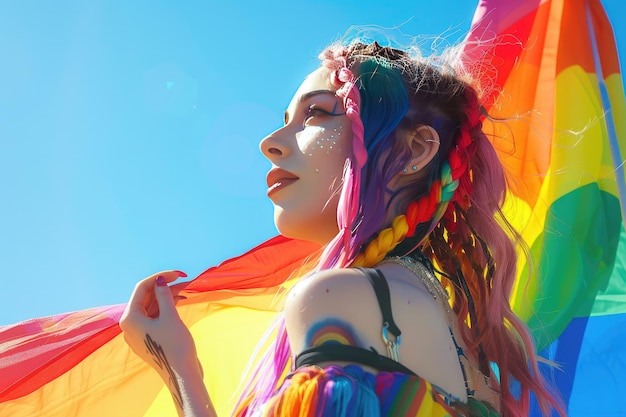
(313,109)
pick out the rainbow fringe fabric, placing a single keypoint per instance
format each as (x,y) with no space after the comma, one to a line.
(350,391)
(554,63)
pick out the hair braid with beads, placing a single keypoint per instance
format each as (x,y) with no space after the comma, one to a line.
(451,211)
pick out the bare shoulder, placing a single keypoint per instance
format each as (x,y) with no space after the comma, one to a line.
(341,305)
(347,290)
(338,298)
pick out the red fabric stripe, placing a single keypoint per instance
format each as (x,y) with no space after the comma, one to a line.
(494,48)
(576,50)
(266,265)
(29,360)
(417,400)
(35,352)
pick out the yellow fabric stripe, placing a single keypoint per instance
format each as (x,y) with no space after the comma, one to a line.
(580,155)
(114,382)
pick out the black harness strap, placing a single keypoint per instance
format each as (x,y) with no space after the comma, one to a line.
(381,288)
(331,352)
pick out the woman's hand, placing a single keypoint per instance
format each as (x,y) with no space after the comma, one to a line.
(154,331)
(152,327)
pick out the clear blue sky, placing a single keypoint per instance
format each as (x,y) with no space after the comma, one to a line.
(129,132)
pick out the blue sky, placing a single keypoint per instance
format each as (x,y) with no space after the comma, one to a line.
(129,132)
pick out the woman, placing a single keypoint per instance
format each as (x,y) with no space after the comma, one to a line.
(381,160)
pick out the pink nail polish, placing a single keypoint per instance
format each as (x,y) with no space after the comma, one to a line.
(160,281)
(181,274)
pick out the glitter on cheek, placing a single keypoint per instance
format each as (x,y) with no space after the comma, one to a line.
(309,139)
(331,141)
(314,139)
(336,135)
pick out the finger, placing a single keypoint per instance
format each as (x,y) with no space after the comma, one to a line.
(143,295)
(170,276)
(152,309)
(164,298)
(148,303)
(140,298)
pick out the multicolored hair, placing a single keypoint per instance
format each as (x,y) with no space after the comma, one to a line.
(452,212)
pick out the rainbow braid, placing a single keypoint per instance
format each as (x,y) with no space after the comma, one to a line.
(464,151)
(454,186)
(404,225)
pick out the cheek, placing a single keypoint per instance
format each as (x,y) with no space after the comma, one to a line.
(322,144)
(332,142)
(310,139)
(329,142)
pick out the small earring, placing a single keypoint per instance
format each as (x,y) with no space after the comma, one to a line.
(414,168)
(433,140)
(405,170)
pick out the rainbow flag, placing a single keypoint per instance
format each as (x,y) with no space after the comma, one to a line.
(555,77)
(559,89)
(78,364)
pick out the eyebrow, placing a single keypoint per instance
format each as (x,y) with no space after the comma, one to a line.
(306,96)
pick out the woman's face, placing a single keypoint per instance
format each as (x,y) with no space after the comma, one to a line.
(308,155)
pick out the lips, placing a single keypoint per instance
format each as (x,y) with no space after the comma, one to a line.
(279,178)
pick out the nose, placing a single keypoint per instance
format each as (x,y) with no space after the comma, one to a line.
(274,146)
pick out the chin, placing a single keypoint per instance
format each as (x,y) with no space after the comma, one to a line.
(304,225)
(305,235)
(297,231)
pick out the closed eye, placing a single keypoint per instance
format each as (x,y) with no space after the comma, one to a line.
(314,111)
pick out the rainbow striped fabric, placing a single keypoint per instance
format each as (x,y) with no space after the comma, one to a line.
(79,365)
(559,88)
(558,84)
(349,391)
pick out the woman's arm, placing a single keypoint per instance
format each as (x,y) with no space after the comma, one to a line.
(161,339)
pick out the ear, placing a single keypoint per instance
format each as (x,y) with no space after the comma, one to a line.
(424,145)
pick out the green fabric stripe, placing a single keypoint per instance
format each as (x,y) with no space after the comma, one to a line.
(574,260)
(612,299)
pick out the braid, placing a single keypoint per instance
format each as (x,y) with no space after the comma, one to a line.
(454,186)
(404,225)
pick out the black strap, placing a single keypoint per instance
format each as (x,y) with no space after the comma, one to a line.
(381,288)
(333,352)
